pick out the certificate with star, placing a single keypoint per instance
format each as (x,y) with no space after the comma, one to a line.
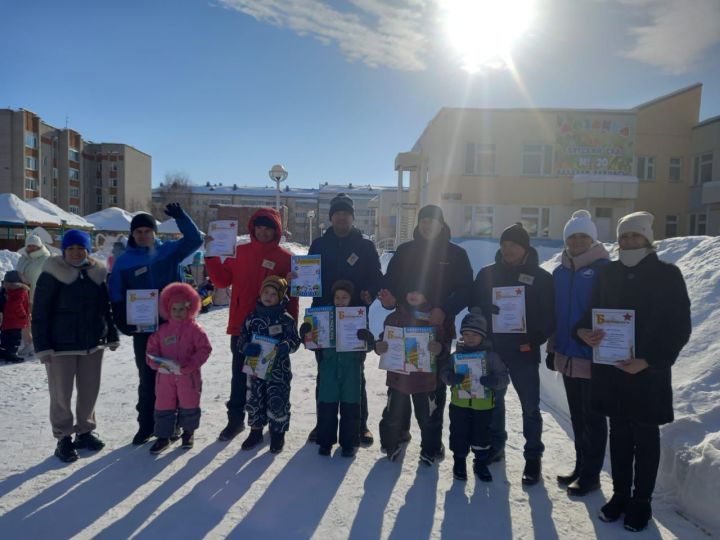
(510,318)
(142,308)
(348,320)
(618,343)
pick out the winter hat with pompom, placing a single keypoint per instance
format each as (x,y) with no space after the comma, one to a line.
(580,222)
(176,293)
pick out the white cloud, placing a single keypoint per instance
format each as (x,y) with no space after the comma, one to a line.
(378,33)
(679,34)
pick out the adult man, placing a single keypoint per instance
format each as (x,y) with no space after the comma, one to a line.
(345,254)
(516,265)
(148,263)
(442,271)
(253,262)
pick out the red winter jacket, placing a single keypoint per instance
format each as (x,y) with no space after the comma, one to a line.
(16,311)
(253,262)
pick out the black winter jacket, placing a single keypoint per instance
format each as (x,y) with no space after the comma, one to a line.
(71,309)
(351,257)
(656,291)
(539,303)
(438,268)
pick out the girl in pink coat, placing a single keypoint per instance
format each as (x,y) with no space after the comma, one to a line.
(177,350)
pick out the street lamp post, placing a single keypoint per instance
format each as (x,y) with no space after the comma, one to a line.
(278,174)
(310,216)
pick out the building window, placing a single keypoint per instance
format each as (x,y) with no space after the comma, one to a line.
(645,168)
(537,159)
(703,168)
(300,216)
(55,172)
(99,167)
(114,182)
(536,221)
(99,199)
(113,167)
(113,199)
(671,226)
(74,192)
(31,140)
(54,193)
(74,174)
(98,182)
(675,170)
(601,212)
(451,196)
(30,183)
(480,159)
(479,220)
(73,155)
(31,163)
(698,224)
(74,209)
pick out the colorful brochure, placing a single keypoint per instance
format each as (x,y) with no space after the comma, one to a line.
(511,303)
(408,349)
(322,335)
(618,344)
(472,366)
(261,366)
(348,320)
(168,363)
(224,238)
(309,275)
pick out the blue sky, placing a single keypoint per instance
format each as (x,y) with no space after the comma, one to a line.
(221,90)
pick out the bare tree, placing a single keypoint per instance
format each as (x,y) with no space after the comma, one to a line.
(177,187)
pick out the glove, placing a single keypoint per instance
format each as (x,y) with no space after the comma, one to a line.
(381,347)
(174,210)
(489,381)
(252,349)
(282,349)
(304,329)
(435,348)
(550,361)
(451,378)
(365,335)
(494,309)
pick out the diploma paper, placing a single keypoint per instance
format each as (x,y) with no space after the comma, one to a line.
(394,358)
(309,277)
(348,320)
(322,335)
(511,318)
(142,308)
(408,350)
(224,238)
(260,366)
(472,366)
(618,344)
(168,363)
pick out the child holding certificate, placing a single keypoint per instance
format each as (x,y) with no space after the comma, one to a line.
(473,395)
(340,385)
(268,399)
(176,351)
(418,390)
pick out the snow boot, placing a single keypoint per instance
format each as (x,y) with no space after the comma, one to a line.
(394,453)
(496,455)
(188,439)
(583,486)
(532,472)
(459,469)
(160,445)
(349,451)
(366,437)
(177,433)
(324,450)
(142,436)
(614,508)
(567,479)
(277,442)
(90,441)
(231,430)
(312,436)
(637,514)
(255,438)
(481,470)
(65,450)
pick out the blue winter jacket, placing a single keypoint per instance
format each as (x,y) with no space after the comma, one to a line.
(574,280)
(150,268)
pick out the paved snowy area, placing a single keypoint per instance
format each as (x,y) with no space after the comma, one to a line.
(217,490)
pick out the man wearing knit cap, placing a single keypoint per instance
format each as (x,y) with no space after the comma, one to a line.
(148,263)
(431,263)
(347,255)
(516,265)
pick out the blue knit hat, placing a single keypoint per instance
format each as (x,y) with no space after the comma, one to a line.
(73,237)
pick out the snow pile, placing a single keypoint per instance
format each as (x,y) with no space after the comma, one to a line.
(111,219)
(8,260)
(15,210)
(70,219)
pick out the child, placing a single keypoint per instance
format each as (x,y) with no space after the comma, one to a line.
(14,307)
(414,310)
(268,401)
(340,376)
(470,418)
(178,385)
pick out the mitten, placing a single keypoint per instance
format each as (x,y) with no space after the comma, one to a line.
(550,361)
(494,309)
(365,334)
(174,210)
(304,329)
(489,381)
(381,347)
(435,347)
(252,349)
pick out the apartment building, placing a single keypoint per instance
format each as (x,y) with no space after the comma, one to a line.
(490,168)
(40,160)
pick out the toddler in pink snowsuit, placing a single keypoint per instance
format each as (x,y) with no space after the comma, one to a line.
(178,384)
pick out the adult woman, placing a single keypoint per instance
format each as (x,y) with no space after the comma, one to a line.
(636,393)
(574,279)
(30,264)
(72,323)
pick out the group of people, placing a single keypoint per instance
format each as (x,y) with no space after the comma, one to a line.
(428,282)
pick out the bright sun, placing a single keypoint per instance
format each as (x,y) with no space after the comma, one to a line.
(484,31)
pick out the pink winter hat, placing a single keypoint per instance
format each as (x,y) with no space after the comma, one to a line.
(176,293)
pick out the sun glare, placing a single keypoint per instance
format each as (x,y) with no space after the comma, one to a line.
(484,31)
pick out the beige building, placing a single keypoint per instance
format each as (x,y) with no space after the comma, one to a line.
(705,190)
(39,160)
(490,168)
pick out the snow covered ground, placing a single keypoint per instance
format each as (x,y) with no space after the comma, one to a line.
(218,490)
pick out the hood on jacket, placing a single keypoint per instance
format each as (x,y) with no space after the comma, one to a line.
(66,273)
(175,293)
(42,252)
(269,213)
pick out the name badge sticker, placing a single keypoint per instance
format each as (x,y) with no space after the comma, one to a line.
(352,259)
(526,279)
(275,329)
(267,263)
(170,340)
(141,271)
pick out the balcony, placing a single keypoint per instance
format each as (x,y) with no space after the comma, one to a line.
(601,186)
(710,192)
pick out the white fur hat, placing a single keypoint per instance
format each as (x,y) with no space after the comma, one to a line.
(637,222)
(580,222)
(33,240)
